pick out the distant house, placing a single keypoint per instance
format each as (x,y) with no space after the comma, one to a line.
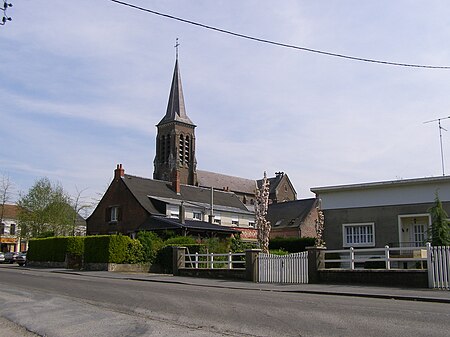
(132,204)
(9,230)
(295,218)
(394,213)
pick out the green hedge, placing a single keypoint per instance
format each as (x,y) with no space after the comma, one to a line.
(54,249)
(112,249)
(291,245)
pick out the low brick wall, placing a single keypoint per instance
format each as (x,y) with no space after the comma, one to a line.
(379,277)
(116,267)
(229,274)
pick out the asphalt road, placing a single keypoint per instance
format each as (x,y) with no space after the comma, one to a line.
(54,304)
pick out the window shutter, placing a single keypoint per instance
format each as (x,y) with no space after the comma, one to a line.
(108,214)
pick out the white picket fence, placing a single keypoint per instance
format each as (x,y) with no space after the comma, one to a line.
(292,268)
(439,267)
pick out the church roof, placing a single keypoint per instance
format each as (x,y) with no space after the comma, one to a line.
(176,111)
(225,182)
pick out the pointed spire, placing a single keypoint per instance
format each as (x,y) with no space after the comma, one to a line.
(176,110)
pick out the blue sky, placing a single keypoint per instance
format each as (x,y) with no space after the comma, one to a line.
(83,84)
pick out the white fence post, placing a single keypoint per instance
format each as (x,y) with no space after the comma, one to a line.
(352,258)
(230,260)
(387,257)
(430,266)
(212,260)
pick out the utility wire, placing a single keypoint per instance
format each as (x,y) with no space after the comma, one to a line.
(279,44)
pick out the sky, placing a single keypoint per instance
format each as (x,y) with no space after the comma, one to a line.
(83,84)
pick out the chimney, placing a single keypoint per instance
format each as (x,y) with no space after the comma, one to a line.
(182,213)
(119,172)
(176,181)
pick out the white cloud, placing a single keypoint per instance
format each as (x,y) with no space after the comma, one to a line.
(84,84)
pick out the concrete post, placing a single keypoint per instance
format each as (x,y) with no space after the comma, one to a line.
(316,261)
(251,264)
(178,259)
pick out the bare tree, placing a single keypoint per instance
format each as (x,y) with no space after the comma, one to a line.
(79,205)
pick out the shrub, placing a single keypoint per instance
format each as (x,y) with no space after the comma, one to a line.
(216,245)
(47,249)
(180,241)
(55,249)
(112,249)
(151,244)
(278,252)
(239,246)
(291,245)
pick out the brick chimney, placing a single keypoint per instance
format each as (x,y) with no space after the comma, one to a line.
(176,181)
(119,172)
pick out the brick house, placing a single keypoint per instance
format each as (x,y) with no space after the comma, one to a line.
(293,218)
(132,204)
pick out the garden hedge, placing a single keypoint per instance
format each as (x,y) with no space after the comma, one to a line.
(54,249)
(291,245)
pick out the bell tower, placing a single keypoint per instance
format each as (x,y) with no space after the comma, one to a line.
(175,139)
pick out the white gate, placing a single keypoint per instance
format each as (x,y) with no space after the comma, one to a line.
(292,268)
(438,267)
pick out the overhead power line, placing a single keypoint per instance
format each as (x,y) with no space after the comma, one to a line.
(279,44)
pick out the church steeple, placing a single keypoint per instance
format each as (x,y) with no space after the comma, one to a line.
(176,110)
(175,141)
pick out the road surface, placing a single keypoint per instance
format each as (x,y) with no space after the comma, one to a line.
(55,304)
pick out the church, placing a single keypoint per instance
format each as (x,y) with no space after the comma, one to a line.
(175,155)
(180,197)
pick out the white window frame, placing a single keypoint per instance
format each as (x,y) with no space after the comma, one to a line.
(197,216)
(252,224)
(361,233)
(235,220)
(114,214)
(217,219)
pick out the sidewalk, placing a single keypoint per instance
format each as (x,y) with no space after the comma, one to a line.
(407,294)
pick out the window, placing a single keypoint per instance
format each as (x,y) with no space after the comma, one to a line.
(174,214)
(2,228)
(251,224)
(113,214)
(235,221)
(12,229)
(358,235)
(217,219)
(419,235)
(197,216)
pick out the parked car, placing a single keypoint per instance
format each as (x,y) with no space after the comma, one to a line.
(9,257)
(21,258)
(2,257)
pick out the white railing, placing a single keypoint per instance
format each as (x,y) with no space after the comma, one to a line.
(292,268)
(439,267)
(215,261)
(391,258)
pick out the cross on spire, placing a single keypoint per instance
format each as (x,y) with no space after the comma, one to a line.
(176,47)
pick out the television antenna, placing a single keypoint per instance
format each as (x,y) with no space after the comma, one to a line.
(440,138)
